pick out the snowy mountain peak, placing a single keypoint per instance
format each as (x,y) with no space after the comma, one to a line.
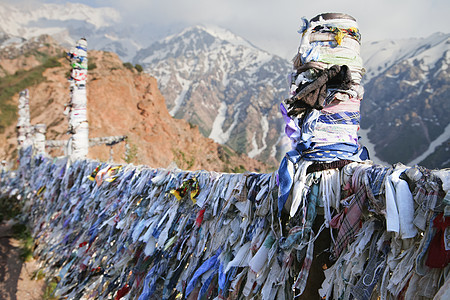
(201,40)
(381,55)
(214,31)
(225,35)
(28,21)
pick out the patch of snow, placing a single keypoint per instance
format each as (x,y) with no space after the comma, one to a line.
(16,41)
(225,79)
(217,133)
(432,147)
(411,83)
(224,34)
(391,76)
(443,68)
(273,151)
(223,67)
(363,133)
(265,129)
(180,98)
(430,56)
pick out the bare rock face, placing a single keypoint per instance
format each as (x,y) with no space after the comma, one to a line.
(121,101)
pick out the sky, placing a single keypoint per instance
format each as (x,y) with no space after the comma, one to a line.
(272,25)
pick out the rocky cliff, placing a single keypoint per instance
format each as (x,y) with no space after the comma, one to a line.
(121,101)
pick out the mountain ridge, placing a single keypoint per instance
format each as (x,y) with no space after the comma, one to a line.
(380,55)
(121,101)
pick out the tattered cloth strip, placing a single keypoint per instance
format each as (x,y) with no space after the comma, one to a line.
(130,238)
(348,222)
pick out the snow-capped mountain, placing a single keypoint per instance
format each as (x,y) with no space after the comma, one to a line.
(381,55)
(66,23)
(222,83)
(406,103)
(54,19)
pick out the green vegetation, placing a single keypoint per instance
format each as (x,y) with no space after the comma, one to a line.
(139,68)
(38,275)
(131,154)
(182,160)
(50,290)
(225,153)
(92,66)
(228,150)
(23,234)
(9,208)
(238,142)
(10,85)
(239,169)
(128,65)
(51,62)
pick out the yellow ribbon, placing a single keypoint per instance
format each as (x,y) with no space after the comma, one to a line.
(339,36)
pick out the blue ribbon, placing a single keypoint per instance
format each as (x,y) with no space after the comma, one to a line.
(208,264)
(81,48)
(222,277)
(309,151)
(285,179)
(208,281)
(147,291)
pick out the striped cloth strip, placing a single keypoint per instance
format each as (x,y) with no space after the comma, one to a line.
(351,118)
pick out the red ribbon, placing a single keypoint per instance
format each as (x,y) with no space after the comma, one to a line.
(199,219)
(438,257)
(122,292)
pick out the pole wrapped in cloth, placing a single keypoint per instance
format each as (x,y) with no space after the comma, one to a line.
(322,113)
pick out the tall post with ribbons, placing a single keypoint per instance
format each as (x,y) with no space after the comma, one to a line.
(77,107)
(39,131)
(23,127)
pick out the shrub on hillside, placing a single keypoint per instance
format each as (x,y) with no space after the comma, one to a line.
(128,65)
(139,68)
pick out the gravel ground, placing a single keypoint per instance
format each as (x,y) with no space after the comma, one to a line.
(15,275)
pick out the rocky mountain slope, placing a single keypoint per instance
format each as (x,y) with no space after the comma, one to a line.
(121,101)
(220,82)
(406,103)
